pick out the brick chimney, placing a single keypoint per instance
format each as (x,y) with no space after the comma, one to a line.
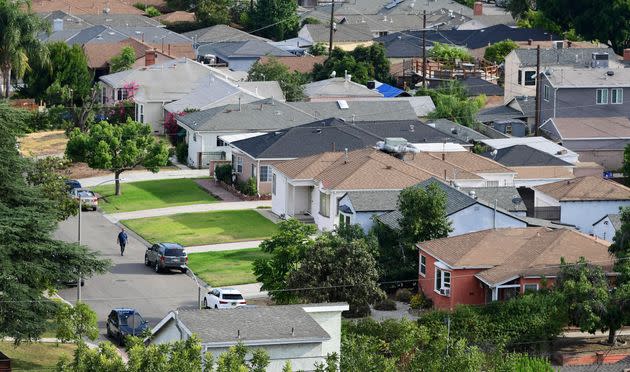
(478,8)
(149,57)
(626,55)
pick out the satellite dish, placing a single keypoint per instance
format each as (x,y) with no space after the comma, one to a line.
(494,153)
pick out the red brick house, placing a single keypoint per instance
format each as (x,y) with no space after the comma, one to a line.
(498,264)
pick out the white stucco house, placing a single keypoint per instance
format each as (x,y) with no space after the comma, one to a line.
(607,226)
(301,334)
(583,201)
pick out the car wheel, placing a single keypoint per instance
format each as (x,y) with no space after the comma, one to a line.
(156,267)
(146,260)
(205,303)
(109,331)
(216,307)
(184,271)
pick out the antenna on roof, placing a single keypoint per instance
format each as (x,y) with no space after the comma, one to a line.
(345,150)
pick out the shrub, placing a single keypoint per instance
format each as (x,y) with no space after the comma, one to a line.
(420,301)
(151,11)
(182,152)
(385,305)
(403,295)
(248,187)
(140,6)
(223,173)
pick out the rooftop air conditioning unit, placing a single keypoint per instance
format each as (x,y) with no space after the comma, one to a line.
(599,60)
(558,44)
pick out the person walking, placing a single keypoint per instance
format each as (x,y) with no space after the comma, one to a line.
(122,240)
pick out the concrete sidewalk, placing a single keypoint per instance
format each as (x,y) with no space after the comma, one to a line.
(223,246)
(194,208)
(143,175)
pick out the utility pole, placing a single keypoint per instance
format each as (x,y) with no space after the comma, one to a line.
(79,243)
(332,23)
(538,105)
(424,49)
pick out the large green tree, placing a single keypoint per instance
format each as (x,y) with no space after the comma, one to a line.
(123,61)
(45,173)
(19,45)
(286,248)
(213,12)
(275,19)
(452,103)
(73,323)
(498,51)
(339,268)
(363,63)
(117,148)
(32,260)
(290,82)
(423,213)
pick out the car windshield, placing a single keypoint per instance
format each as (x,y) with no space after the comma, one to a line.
(133,320)
(232,296)
(174,252)
(85,194)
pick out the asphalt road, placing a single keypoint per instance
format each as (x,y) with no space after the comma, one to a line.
(129,283)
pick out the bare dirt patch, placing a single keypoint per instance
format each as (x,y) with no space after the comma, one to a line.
(44,143)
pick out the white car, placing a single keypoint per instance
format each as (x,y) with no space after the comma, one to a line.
(223,298)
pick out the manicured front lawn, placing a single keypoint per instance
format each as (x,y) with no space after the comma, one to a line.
(204,228)
(36,356)
(152,194)
(225,268)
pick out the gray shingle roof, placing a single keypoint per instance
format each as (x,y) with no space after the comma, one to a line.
(320,33)
(219,33)
(498,113)
(615,219)
(562,57)
(269,115)
(523,156)
(374,200)
(527,105)
(256,324)
(243,49)
(120,20)
(457,130)
(505,197)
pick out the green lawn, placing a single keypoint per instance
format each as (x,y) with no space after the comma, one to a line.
(152,194)
(204,228)
(225,268)
(36,356)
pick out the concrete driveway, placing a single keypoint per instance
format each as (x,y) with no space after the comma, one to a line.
(129,283)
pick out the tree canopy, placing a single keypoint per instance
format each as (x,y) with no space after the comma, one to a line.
(449,54)
(290,82)
(423,214)
(275,19)
(213,12)
(117,148)
(76,322)
(363,63)
(123,61)
(32,260)
(452,103)
(498,51)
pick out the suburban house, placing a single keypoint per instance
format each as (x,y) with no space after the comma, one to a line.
(582,201)
(464,210)
(346,36)
(597,139)
(253,157)
(520,65)
(606,227)
(585,93)
(337,88)
(300,334)
(498,264)
(237,55)
(154,86)
(204,129)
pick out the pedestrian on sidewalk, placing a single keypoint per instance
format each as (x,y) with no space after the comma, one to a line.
(122,240)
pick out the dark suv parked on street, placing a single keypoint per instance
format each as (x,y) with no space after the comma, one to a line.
(123,322)
(163,256)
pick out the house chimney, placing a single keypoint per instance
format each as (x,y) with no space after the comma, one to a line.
(478,8)
(345,75)
(149,57)
(626,55)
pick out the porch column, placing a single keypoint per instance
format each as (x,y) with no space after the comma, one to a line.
(293,214)
(495,293)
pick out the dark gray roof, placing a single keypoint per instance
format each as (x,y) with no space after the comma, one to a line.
(615,219)
(242,49)
(505,197)
(374,200)
(498,113)
(256,324)
(579,57)
(476,86)
(524,156)
(324,135)
(457,130)
(154,35)
(527,105)
(219,33)
(270,115)
(344,32)
(120,20)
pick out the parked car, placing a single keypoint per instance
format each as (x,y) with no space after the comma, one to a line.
(87,197)
(166,256)
(123,322)
(73,184)
(223,298)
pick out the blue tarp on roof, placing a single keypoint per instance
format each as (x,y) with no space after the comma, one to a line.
(389,91)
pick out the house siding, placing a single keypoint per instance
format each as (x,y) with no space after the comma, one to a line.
(478,217)
(205,142)
(279,199)
(264,188)
(583,214)
(604,229)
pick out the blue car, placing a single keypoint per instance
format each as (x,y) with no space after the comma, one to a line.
(73,184)
(123,322)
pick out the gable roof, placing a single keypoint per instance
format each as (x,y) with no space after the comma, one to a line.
(515,252)
(338,87)
(507,197)
(100,54)
(472,162)
(242,49)
(344,32)
(578,57)
(373,200)
(462,132)
(498,113)
(587,188)
(588,128)
(218,33)
(539,143)
(523,155)
(615,220)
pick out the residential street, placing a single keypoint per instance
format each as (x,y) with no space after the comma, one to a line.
(129,283)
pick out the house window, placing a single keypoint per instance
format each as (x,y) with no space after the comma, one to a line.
(520,77)
(492,183)
(546,93)
(616,96)
(324,204)
(220,142)
(344,220)
(239,165)
(273,183)
(122,94)
(508,129)
(530,288)
(265,173)
(530,78)
(442,282)
(423,265)
(141,113)
(601,96)
(104,95)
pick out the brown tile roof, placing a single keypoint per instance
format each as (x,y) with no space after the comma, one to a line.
(516,252)
(365,169)
(78,7)
(99,54)
(302,64)
(585,188)
(608,127)
(472,162)
(178,16)
(528,173)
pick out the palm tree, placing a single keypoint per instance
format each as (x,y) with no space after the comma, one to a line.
(19,44)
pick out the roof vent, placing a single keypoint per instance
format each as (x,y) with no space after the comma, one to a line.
(472,194)
(318,130)
(412,128)
(454,130)
(610,73)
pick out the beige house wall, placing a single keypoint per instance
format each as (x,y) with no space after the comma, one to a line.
(264,187)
